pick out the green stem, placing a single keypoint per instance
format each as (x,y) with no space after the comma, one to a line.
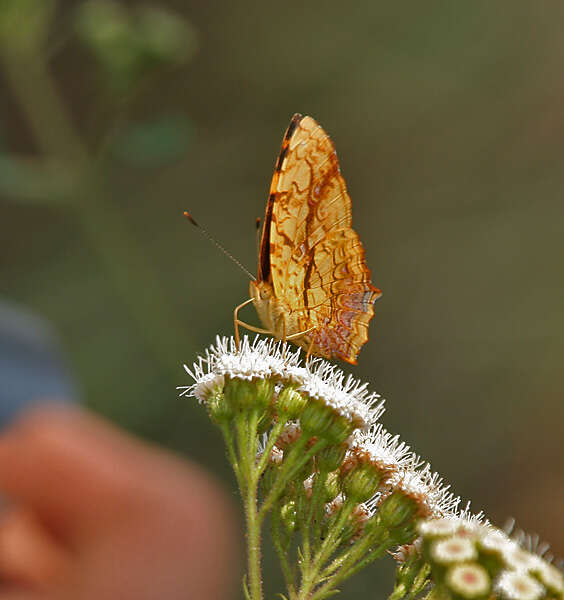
(304,527)
(246,434)
(333,536)
(421,579)
(241,436)
(346,570)
(273,436)
(231,455)
(398,592)
(292,464)
(253,543)
(361,553)
(282,551)
(313,514)
(311,579)
(352,564)
(317,512)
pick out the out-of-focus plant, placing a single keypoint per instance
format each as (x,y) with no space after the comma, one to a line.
(128,46)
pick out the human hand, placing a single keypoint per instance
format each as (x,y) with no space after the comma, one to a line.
(94,514)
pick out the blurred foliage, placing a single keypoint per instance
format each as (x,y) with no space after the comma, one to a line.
(24,24)
(154,142)
(30,180)
(130,43)
(448,121)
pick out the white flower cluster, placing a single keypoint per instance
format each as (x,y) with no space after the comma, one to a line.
(467,550)
(451,536)
(411,475)
(268,358)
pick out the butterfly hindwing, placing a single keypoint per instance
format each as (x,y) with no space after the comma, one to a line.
(309,251)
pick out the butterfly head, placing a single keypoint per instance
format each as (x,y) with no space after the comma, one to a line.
(261,291)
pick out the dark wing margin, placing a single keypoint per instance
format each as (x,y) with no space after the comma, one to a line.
(264,252)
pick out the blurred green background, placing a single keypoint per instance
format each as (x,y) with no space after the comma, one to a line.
(449,123)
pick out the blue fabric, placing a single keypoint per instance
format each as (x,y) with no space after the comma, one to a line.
(32,367)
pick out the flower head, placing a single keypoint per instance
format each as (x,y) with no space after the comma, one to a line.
(515,585)
(518,573)
(453,549)
(468,580)
(261,359)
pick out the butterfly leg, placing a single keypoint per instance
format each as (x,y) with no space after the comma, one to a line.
(237,322)
(300,333)
(308,354)
(284,336)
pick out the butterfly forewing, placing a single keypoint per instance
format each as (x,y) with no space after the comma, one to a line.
(309,252)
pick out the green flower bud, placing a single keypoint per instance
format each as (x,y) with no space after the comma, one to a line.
(288,515)
(332,486)
(361,482)
(398,510)
(219,410)
(323,421)
(244,395)
(331,457)
(290,403)
(264,392)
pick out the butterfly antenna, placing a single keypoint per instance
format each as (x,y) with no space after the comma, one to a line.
(217,244)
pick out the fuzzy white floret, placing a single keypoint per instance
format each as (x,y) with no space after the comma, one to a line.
(454,549)
(468,580)
(514,585)
(438,527)
(384,447)
(550,576)
(261,359)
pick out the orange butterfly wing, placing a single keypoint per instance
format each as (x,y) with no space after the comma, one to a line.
(309,251)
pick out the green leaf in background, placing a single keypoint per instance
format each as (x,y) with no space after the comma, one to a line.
(154,143)
(129,44)
(106,28)
(167,37)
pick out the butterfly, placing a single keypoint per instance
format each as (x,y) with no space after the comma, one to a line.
(313,286)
